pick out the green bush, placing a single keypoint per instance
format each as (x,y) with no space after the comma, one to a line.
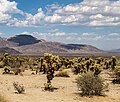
(62,74)
(89,84)
(19,88)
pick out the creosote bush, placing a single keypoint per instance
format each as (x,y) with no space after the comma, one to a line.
(89,84)
(19,87)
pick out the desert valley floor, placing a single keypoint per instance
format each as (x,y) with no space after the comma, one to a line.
(67,89)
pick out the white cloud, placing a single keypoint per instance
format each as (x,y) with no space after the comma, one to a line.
(7,11)
(98,38)
(114,34)
(1,33)
(35,19)
(58,34)
(9,7)
(4,18)
(88,34)
(26,33)
(53,30)
(88,13)
(51,8)
(53,19)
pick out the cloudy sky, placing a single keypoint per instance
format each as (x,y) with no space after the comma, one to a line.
(93,22)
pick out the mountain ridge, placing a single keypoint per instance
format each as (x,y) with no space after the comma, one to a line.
(28,44)
(115,50)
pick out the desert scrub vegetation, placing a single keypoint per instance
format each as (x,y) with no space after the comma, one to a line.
(19,88)
(90,84)
(3,99)
(49,64)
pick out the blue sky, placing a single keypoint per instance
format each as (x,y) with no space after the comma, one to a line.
(92,22)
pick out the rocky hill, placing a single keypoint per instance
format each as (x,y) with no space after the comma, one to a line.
(23,39)
(28,44)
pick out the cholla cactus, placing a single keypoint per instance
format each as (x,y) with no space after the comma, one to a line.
(97,69)
(12,64)
(51,63)
(113,62)
(117,75)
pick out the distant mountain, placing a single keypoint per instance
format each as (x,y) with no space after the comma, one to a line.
(28,44)
(41,47)
(115,50)
(55,47)
(81,47)
(23,39)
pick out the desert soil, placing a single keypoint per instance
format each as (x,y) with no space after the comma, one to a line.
(67,89)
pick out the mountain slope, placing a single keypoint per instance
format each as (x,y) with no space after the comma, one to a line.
(55,47)
(9,50)
(81,47)
(41,47)
(5,43)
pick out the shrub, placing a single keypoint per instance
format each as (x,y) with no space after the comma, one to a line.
(48,86)
(62,74)
(90,84)
(19,88)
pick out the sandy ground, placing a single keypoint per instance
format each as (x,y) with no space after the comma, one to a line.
(67,91)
